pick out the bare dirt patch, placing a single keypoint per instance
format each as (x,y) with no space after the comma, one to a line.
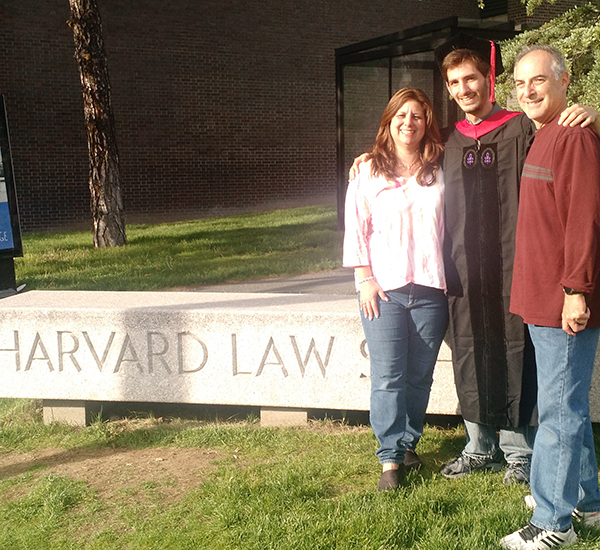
(173,471)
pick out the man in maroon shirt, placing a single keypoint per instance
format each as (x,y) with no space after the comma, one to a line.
(556,290)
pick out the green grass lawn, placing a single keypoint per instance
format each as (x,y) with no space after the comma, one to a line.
(148,483)
(186,254)
(240,487)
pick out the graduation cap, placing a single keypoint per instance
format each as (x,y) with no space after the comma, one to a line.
(487,49)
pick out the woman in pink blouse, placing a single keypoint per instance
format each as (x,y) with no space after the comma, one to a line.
(393,240)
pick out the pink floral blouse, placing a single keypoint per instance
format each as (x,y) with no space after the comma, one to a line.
(397,228)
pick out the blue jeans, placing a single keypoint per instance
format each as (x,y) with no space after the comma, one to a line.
(403,346)
(564,472)
(515,443)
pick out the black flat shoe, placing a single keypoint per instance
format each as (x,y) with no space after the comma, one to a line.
(412,460)
(391,479)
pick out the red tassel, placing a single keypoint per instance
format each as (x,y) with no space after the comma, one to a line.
(492,70)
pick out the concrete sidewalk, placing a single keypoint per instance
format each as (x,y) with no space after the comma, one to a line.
(335,282)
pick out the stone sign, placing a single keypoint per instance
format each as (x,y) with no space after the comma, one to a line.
(267,350)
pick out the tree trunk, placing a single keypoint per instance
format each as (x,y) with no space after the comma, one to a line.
(108,224)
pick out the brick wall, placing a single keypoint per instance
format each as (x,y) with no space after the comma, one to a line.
(220,105)
(542,14)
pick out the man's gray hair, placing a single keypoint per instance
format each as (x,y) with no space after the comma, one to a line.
(558,64)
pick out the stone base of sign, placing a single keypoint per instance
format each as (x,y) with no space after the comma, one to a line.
(71,412)
(78,413)
(274,416)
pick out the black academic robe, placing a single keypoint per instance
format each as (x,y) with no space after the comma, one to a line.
(494,368)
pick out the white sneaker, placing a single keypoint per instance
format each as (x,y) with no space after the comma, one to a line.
(529,502)
(535,538)
(589,519)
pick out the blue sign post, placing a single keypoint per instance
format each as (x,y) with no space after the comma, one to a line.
(11,245)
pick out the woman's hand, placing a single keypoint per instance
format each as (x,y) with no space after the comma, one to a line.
(369,291)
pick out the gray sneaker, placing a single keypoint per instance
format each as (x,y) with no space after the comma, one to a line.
(464,465)
(517,472)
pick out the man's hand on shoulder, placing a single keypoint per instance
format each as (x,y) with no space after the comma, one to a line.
(576,115)
(355,165)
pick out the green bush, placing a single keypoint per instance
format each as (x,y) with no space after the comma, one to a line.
(576,34)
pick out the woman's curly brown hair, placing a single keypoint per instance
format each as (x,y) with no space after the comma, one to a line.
(383,156)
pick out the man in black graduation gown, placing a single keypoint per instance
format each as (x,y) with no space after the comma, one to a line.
(494,367)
